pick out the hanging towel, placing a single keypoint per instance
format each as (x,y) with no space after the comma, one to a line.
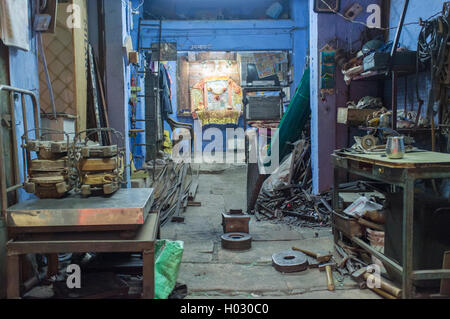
(14,23)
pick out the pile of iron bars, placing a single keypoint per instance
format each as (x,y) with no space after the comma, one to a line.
(294,203)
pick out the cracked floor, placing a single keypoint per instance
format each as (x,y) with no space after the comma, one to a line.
(211,272)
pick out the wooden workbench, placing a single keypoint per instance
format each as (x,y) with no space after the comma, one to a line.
(82,242)
(403,173)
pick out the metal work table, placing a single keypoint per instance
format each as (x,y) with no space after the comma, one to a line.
(99,242)
(124,210)
(402,173)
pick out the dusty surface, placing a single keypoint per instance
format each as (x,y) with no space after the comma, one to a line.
(211,272)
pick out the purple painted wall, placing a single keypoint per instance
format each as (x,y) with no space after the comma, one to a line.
(325,133)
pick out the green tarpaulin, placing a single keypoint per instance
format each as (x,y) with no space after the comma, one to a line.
(295,118)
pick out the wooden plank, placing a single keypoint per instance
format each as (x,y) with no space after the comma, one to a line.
(445,283)
(80,49)
(411,160)
(13,277)
(98,164)
(353,116)
(183,87)
(194,204)
(46,165)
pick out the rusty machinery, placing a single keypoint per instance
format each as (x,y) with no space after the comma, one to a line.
(236,231)
(49,175)
(100,169)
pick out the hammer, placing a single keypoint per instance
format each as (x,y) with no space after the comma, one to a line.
(329,270)
(321,257)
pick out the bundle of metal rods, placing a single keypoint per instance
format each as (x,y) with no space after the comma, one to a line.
(171,190)
(294,203)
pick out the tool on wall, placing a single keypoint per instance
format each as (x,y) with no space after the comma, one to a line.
(45,23)
(353,11)
(327,71)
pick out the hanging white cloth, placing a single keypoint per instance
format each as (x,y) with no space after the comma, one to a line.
(14,23)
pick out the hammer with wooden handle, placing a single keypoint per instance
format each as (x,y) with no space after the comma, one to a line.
(321,257)
(329,270)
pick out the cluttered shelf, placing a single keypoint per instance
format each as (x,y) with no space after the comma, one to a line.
(381,75)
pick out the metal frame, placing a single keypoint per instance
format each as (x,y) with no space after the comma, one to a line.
(246,90)
(405,178)
(12,91)
(103,242)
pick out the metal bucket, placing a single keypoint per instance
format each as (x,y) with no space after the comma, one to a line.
(3,239)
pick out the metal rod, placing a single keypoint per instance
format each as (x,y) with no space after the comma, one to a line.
(407,239)
(398,33)
(12,90)
(382,257)
(394,100)
(14,141)
(14,188)
(431,274)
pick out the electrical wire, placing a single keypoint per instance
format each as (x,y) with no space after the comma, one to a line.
(365,24)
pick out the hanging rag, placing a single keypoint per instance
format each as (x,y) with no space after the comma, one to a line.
(14,23)
(166,92)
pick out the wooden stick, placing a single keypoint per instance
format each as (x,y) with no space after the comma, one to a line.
(387,287)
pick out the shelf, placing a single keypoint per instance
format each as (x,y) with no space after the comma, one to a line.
(402,130)
(401,71)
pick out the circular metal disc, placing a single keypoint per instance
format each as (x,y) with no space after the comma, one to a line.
(290,261)
(236,241)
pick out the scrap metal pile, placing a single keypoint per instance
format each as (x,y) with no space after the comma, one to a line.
(286,196)
(175,187)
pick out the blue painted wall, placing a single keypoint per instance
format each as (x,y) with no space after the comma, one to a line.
(237,35)
(23,73)
(229,9)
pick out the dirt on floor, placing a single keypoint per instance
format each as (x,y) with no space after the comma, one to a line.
(212,272)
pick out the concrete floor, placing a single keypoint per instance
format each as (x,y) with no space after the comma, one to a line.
(211,272)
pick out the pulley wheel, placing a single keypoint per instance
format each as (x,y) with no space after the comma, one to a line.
(368,142)
(236,241)
(290,261)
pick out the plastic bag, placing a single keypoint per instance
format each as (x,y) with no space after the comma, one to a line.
(168,256)
(279,178)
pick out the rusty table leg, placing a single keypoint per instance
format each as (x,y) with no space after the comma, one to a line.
(148,281)
(13,277)
(53,265)
(407,234)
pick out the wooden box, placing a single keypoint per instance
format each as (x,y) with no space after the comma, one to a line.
(353,116)
(347,225)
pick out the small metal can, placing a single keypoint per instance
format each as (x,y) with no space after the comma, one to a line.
(395,148)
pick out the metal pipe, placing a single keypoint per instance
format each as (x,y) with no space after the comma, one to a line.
(4,195)
(14,188)
(398,33)
(12,90)
(14,138)
(382,257)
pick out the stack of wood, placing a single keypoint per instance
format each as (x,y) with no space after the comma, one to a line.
(175,187)
(48,175)
(100,170)
(294,203)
